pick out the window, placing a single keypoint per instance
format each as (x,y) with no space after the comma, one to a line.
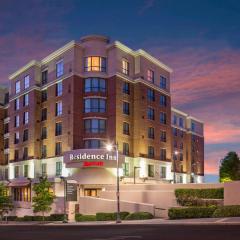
(125,67)
(16,171)
(163,100)
(95,125)
(126,169)
(163,82)
(126,88)
(93,144)
(175,144)
(16,138)
(95,63)
(126,128)
(25,171)
(59,89)
(16,154)
(44,169)
(6,128)
(163,172)
(26,82)
(126,109)
(150,151)
(44,95)
(163,118)
(17,121)
(151,132)
(44,133)
(25,153)
(94,105)
(150,75)
(163,154)
(58,168)
(150,95)
(163,136)
(175,132)
(94,85)
(17,104)
(25,135)
(181,156)
(58,108)
(181,133)
(181,145)
(25,100)
(175,120)
(44,114)
(193,126)
(17,87)
(150,113)
(44,151)
(59,68)
(58,148)
(6,143)
(175,156)
(180,122)
(126,149)
(44,77)
(22,194)
(150,170)
(58,129)
(25,118)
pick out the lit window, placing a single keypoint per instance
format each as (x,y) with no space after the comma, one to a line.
(17,87)
(59,108)
(95,63)
(26,82)
(125,66)
(17,121)
(16,138)
(59,68)
(150,75)
(16,104)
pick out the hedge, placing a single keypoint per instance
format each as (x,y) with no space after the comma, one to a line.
(199,197)
(227,211)
(139,216)
(191,212)
(84,218)
(101,216)
(26,218)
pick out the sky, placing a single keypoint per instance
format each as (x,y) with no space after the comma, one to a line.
(198,39)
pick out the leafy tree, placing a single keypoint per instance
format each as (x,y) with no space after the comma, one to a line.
(230,168)
(43,198)
(6,203)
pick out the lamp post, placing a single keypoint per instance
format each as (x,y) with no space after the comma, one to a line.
(134,174)
(109,148)
(174,166)
(63,179)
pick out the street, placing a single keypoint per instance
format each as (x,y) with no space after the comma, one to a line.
(120,232)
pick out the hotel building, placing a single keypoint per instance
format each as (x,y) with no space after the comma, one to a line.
(82,96)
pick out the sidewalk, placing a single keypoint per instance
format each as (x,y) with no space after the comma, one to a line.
(156,221)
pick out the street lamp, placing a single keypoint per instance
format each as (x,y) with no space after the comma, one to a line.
(63,179)
(109,148)
(174,166)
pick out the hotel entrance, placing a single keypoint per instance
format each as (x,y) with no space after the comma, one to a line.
(92,192)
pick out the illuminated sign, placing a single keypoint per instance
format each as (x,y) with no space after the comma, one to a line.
(91,164)
(89,156)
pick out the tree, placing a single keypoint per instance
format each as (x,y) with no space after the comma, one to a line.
(43,198)
(230,168)
(6,203)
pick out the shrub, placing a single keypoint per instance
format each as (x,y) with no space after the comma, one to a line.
(199,197)
(11,218)
(191,212)
(123,215)
(139,216)
(105,216)
(227,211)
(84,218)
(56,217)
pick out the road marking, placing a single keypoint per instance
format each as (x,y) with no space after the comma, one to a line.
(221,220)
(119,238)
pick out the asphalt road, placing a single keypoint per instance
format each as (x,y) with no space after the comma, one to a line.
(121,232)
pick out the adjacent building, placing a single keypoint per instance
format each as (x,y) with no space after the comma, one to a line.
(83,96)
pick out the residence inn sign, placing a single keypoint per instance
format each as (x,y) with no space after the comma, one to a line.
(81,158)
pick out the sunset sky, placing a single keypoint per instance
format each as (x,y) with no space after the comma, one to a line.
(199,39)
